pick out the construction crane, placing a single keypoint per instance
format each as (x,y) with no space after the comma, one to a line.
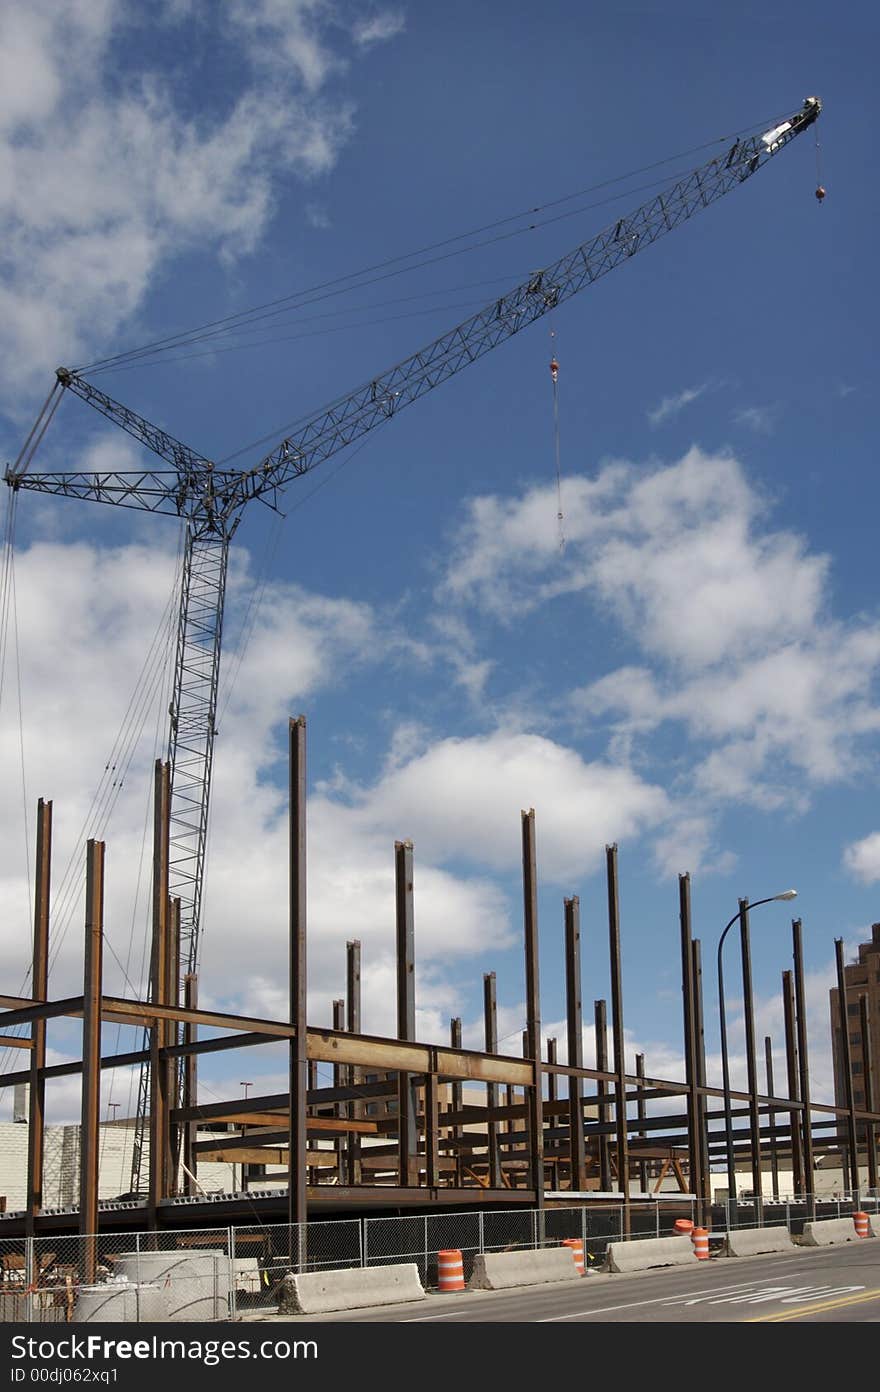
(211,500)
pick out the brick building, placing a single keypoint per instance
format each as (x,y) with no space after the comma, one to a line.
(862,979)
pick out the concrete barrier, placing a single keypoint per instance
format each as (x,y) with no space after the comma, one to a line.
(753,1242)
(195,1285)
(319,1292)
(650,1251)
(119,1303)
(529,1267)
(828,1232)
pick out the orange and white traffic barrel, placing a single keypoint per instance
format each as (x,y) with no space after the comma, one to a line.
(450,1270)
(862,1224)
(577,1251)
(682,1227)
(700,1239)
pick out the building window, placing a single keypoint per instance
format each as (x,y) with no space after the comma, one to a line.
(858,1067)
(853,1008)
(855,1039)
(858,1099)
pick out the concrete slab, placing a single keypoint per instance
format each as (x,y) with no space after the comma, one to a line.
(352,1288)
(530,1267)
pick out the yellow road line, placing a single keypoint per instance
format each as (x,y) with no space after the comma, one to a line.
(817,1308)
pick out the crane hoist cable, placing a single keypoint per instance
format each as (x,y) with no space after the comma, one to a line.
(292,300)
(554,376)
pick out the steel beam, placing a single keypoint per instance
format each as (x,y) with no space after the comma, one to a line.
(160,1099)
(641,1113)
(690,1046)
(190,1085)
(353,1025)
(40,988)
(298,1075)
(533,1005)
(751,1058)
(91,1091)
(406,1006)
(800,994)
(771,1116)
(490,1027)
(340,1084)
(575,1039)
(793,1074)
(601,1031)
(700,1059)
(455,1134)
(617,1031)
(432,1130)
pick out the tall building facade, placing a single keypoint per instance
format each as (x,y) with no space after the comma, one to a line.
(862,978)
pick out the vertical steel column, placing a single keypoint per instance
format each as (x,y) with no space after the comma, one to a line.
(432,1124)
(39,991)
(604,1141)
(91,1086)
(575,1035)
(172,996)
(771,1116)
(340,1078)
(190,1085)
(490,1026)
(642,1113)
(846,1061)
(867,1066)
(791,1064)
(455,1042)
(406,1006)
(620,1116)
(803,1064)
(690,1049)
(705,1183)
(353,997)
(533,1006)
(552,1057)
(552,1091)
(298,1070)
(160,1101)
(751,1059)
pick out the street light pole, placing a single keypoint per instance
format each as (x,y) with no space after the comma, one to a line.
(725,1064)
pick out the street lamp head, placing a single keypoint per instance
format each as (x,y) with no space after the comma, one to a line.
(786,894)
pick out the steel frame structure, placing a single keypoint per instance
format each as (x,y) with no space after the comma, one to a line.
(428,1156)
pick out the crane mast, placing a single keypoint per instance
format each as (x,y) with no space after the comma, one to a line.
(211,500)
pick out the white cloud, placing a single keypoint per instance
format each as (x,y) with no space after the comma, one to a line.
(728,619)
(672,406)
(102,182)
(378,28)
(461,797)
(862,858)
(761,419)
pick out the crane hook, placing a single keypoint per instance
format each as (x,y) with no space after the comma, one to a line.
(820,194)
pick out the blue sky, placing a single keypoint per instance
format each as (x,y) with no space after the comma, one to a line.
(693,677)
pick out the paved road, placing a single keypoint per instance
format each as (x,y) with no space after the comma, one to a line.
(827,1285)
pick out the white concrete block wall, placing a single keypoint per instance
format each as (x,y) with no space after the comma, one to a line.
(61,1166)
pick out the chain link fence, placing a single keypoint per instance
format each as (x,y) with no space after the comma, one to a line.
(222,1273)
